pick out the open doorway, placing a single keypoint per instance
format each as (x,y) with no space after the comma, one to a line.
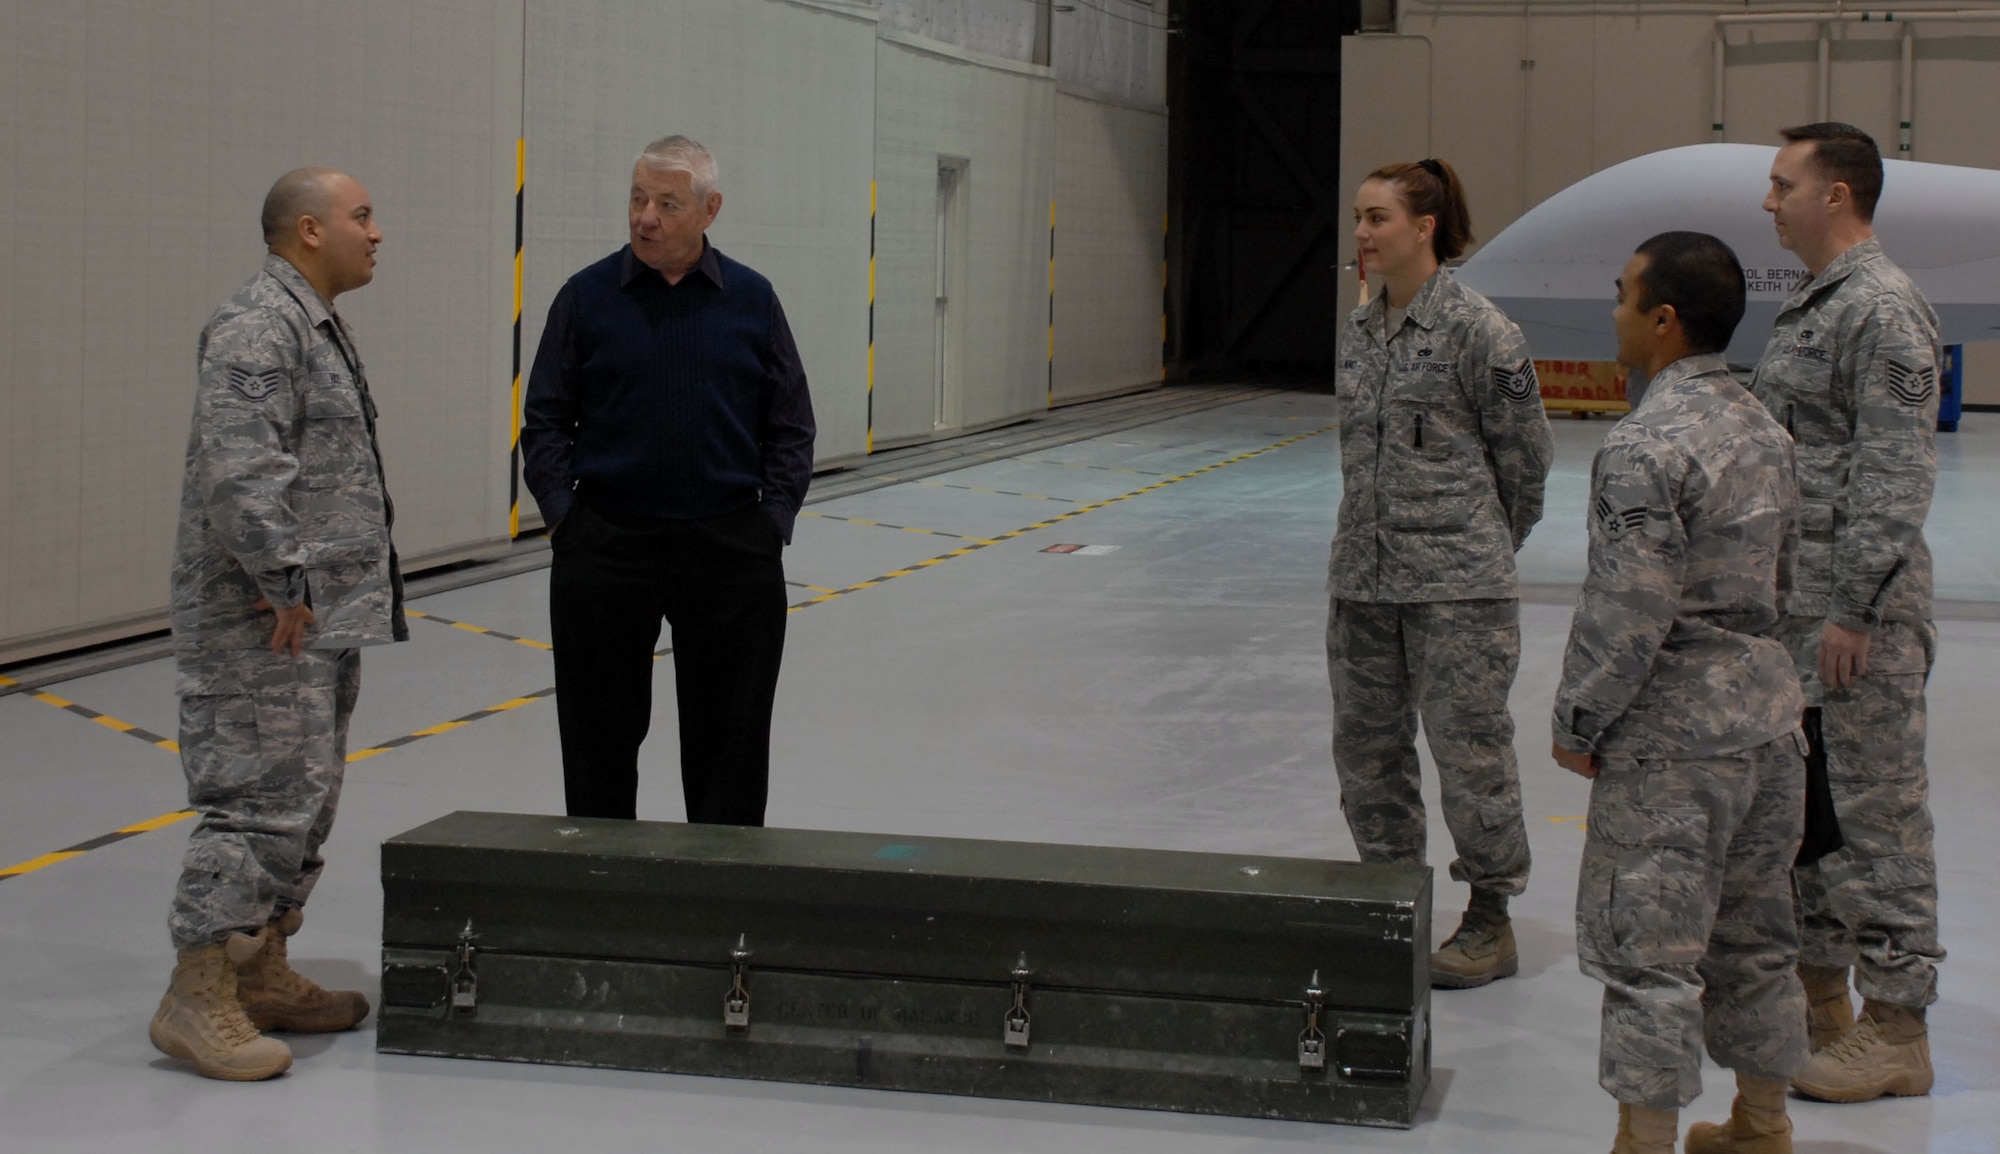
(948,370)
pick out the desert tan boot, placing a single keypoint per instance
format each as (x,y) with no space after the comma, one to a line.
(1829,1006)
(277,997)
(200,1021)
(1482,948)
(1757,1122)
(1643,1131)
(1887,1052)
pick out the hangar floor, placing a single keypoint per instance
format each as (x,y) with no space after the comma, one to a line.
(1168,692)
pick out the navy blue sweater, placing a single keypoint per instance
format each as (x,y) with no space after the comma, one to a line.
(668,401)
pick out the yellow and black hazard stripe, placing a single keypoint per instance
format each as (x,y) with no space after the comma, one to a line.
(1166,297)
(84,711)
(976,544)
(1099,468)
(870,445)
(514,448)
(447,726)
(479,629)
(49,859)
(971,547)
(887,525)
(1052,303)
(996,492)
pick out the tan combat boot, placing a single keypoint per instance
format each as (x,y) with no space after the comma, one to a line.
(1887,1052)
(1829,1009)
(1757,1122)
(200,1021)
(1482,948)
(1643,1131)
(277,997)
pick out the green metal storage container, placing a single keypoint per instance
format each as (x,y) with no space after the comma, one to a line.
(1216,983)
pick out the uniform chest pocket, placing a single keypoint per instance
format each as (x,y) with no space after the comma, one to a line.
(333,436)
(1809,403)
(1428,433)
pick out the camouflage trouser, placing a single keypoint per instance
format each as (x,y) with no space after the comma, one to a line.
(1873,903)
(1684,911)
(1452,662)
(264,770)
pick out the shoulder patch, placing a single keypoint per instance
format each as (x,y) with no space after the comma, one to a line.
(1617,522)
(1911,386)
(1519,383)
(255,384)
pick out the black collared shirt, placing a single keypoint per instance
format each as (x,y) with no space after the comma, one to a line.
(668,401)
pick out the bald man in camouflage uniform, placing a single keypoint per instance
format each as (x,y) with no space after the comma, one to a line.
(1444,452)
(283,567)
(1680,703)
(1852,372)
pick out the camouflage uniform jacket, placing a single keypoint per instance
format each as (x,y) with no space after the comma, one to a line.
(1693,531)
(1852,374)
(283,496)
(1444,449)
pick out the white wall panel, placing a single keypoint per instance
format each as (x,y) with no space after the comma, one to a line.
(933,104)
(783,96)
(140,138)
(1111,201)
(41,317)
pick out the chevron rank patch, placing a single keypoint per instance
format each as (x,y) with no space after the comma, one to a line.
(1617,522)
(1911,386)
(255,384)
(1517,384)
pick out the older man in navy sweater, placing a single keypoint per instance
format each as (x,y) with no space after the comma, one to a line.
(668,440)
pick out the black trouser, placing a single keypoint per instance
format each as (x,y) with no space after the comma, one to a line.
(720,583)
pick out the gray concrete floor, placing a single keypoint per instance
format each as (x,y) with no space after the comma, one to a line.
(1170,693)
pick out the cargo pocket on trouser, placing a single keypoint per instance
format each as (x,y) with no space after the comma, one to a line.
(1472,651)
(1645,894)
(221,752)
(1643,915)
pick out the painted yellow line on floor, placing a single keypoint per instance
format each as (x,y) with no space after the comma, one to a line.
(89,714)
(164,819)
(978,544)
(480,629)
(49,859)
(999,492)
(886,525)
(35,863)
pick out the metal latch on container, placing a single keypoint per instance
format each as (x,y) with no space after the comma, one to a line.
(465,979)
(736,1003)
(1015,1030)
(1312,1040)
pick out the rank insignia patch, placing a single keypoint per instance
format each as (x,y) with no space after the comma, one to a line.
(255,384)
(1911,386)
(1617,522)
(1518,384)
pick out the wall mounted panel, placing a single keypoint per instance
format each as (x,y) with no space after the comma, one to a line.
(1111,201)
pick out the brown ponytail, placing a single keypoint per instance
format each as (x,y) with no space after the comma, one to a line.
(1430,188)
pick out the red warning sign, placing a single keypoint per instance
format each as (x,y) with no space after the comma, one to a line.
(1583,386)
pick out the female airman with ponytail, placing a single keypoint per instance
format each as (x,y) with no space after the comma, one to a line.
(1444,452)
